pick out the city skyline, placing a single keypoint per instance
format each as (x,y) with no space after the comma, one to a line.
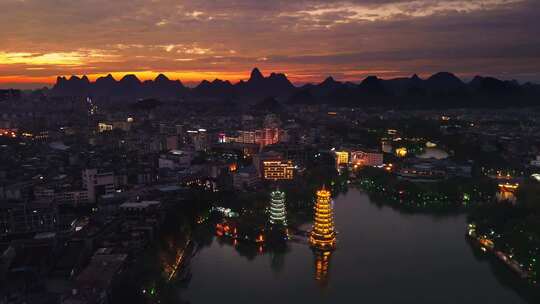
(307,40)
(308,151)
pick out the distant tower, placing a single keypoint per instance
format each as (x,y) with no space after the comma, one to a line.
(277,208)
(323,234)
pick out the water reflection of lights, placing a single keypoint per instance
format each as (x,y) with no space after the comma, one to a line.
(322,265)
(507,192)
(506,196)
(229,230)
(171,269)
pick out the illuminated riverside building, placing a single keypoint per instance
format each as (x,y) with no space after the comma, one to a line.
(323,234)
(277,210)
(278,170)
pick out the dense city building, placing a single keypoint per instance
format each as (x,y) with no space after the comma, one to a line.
(103,196)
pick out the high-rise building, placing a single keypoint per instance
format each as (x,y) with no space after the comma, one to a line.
(323,234)
(277,209)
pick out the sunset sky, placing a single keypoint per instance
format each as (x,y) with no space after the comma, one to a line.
(306,39)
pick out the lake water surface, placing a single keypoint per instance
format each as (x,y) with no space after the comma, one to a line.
(383,256)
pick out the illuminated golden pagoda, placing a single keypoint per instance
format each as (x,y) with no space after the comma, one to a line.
(323,234)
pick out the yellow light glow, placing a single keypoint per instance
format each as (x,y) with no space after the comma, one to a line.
(509,187)
(401,152)
(342,157)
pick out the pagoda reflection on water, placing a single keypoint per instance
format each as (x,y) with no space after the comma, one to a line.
(322,238)
(322,265)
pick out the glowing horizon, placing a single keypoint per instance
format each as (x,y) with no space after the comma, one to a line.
(308,40)
(193,78)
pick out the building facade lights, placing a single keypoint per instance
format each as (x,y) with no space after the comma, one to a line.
(278,170)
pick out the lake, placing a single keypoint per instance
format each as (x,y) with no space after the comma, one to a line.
(382,256)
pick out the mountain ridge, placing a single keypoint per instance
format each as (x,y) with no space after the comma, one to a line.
(372,89)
